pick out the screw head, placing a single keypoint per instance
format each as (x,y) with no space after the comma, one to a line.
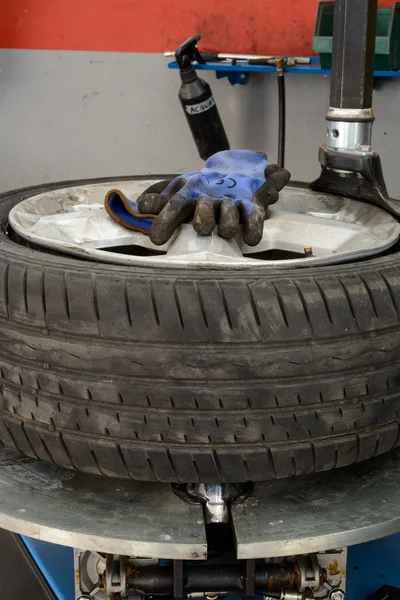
(337,595)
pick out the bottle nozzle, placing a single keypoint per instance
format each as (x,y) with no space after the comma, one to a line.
(188,52)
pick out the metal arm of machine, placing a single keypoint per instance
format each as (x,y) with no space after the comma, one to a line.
(349,166)
(350,116)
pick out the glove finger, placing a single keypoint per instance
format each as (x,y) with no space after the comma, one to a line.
(266,195)
(228,226)
(152,204)
(175,212)
(204,216)
(277,176)
(152,201)
(253,223)
(276,179)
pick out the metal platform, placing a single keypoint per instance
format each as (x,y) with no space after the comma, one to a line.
(49,503)
(330,510)
(292,516)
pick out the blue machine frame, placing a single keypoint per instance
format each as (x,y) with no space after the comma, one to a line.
(369,567)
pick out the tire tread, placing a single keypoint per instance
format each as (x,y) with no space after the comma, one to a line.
(196,376)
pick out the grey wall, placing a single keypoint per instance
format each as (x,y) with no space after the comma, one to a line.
(67,115)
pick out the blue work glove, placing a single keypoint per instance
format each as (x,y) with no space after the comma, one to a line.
(236,186)
(126,212)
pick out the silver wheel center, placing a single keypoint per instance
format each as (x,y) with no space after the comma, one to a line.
(304,228)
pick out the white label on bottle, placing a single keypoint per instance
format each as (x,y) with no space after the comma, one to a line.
(196,109)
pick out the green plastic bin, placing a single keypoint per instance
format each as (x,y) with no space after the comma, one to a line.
(387,48)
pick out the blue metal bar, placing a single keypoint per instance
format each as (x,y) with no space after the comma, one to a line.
(313,68)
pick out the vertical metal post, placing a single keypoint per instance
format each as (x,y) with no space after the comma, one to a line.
(350,113)
(353,52)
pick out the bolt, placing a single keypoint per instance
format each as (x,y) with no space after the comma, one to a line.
(337,595)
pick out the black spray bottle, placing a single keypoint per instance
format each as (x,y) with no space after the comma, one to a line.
(198,103)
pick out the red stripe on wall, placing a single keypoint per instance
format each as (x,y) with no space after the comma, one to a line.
(250,26)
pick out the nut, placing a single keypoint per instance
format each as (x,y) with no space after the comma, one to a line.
(337,595)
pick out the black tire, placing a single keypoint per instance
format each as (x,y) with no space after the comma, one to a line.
(184,376)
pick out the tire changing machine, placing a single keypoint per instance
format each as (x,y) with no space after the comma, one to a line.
(290,539)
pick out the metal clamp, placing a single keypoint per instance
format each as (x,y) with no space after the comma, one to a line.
(309,570)
(215,498)
(116,576)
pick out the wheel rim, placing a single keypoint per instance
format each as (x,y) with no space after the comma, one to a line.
(304,228)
